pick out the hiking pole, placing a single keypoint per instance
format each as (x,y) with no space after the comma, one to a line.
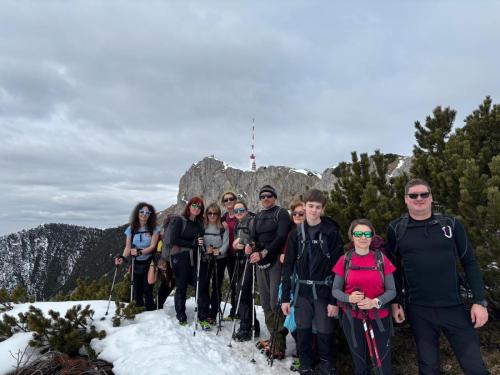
(111,291)
(158,284)
(375,349)
(242,280)
(216,272)
(235,272)
(197,289)
(132,279)
(368,341)
(275,332)
(253,313)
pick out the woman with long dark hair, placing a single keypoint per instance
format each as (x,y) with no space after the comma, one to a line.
(187,236)
(142,236)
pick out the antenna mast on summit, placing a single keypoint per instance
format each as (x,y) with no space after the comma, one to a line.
(253,166)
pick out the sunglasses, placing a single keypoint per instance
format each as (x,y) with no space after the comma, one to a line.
(266,196)
(359,234)
(229,199)
(421,195)
(239,210)
(299,214)
(196,206)
(144,212)
(213,213)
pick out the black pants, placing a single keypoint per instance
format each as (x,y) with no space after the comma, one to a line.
(203,291)
(143,292)
(185,274)
(166,286)
(427,323)
(245,310)
(216,268)
(306,311)
(359,348)
(235,265)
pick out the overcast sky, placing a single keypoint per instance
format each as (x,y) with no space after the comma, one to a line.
(103,104)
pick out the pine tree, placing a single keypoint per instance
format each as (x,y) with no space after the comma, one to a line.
(462,169)
(5,301)
(429,153)
(19,294)
(67,335)
(125,311)
(9,325)
(363,191)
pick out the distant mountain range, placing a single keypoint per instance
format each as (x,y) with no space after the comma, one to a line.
(51,257)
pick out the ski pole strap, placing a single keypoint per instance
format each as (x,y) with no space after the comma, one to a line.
(350,319)
(378,320)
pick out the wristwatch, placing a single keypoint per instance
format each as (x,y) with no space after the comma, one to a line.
(139,252)
(483,303)
(378,302)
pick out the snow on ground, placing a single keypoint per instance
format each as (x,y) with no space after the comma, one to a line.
(154,343)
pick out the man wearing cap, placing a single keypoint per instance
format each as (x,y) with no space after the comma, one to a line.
(269,232)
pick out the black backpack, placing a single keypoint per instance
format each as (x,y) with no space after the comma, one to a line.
(167,234)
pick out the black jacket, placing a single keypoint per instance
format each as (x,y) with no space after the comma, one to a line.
(269,230)
(188,237)
(426,262)
(314,264)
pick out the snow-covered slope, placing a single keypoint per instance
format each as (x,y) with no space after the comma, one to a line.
(155,344)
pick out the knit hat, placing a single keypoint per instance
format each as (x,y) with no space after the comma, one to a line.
(268,189)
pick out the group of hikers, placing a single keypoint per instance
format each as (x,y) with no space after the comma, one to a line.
(308,278)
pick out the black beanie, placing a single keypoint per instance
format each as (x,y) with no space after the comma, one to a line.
(268,189)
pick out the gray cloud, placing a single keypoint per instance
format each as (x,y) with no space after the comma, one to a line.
(105,104)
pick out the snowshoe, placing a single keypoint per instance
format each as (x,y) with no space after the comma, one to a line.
(183,323)
(229,318)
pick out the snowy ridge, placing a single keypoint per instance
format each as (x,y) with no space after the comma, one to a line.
(43,258)
(154,343)
(308,172)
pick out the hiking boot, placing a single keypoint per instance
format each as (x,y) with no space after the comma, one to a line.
(205,325)
(243,335)
(276,354)
(183,323)
(325,368)
(296,365)
(262,344)
(211,321)
(306,371)
(229,318)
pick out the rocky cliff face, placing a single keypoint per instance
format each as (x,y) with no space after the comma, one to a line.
(210,177)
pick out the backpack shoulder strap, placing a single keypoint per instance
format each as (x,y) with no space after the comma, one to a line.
(401,227)
(301,236)
(379,260)
(347,263)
